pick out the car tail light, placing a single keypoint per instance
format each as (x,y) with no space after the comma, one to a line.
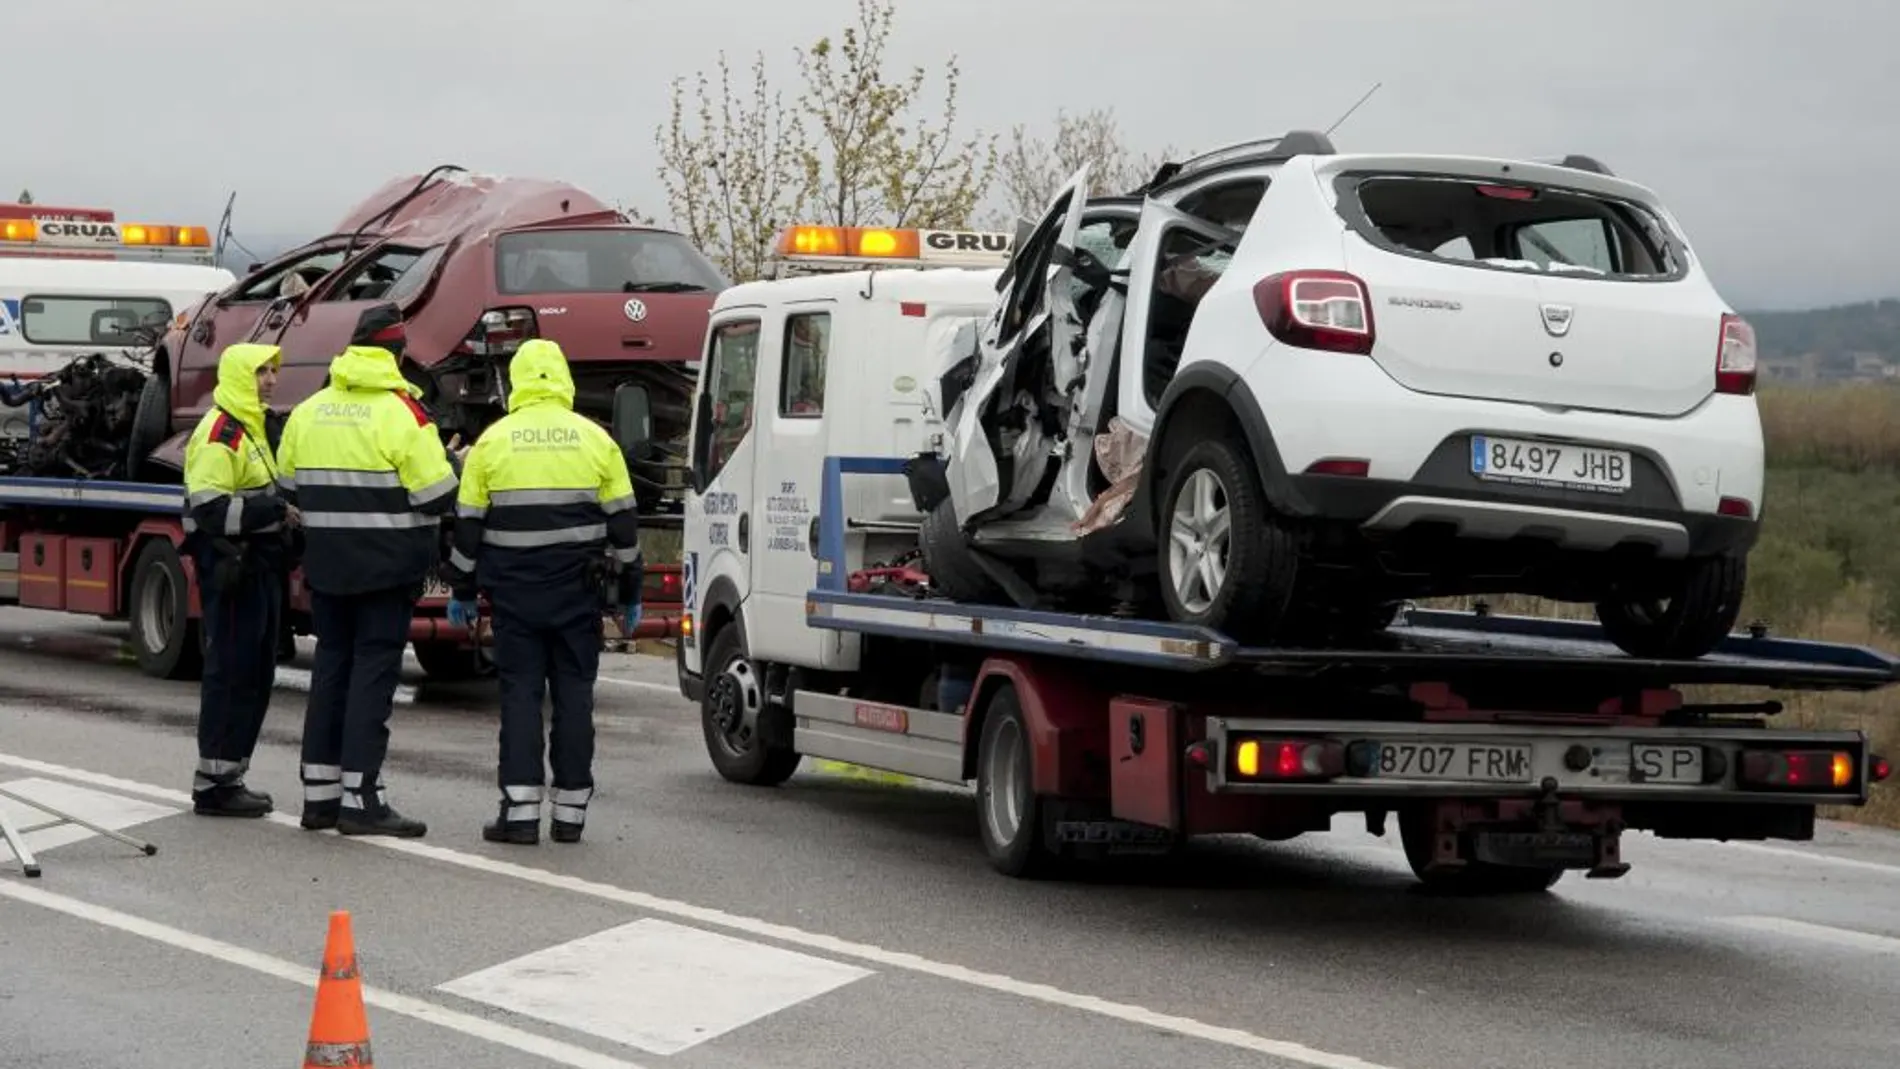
(1735,506)
(1797,769)
(1285,759)
(1327,310)
(1735,357)
(1507,192)
(500,331)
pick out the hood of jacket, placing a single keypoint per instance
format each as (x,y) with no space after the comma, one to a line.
(236,391)
(369,367)
(538,375)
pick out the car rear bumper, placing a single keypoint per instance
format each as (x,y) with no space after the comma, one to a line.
(1572,521)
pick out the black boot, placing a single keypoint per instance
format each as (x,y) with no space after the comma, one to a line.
(562,831)
(318,816)
(517,832)
(230,800)
(385,821)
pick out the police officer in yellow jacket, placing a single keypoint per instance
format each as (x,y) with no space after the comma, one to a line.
(364,462)
(544,522)
(235,531)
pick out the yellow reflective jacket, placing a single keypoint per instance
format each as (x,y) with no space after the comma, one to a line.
(365,464)
(545,499)
(230,475)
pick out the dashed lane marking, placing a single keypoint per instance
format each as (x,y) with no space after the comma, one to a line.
(1188,1027)
(480,1028)
(1820,933)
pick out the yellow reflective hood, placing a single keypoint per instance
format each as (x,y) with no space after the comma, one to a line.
(369,367)
(236,391)
(538,375)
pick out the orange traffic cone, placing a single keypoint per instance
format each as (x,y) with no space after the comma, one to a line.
(339,1028)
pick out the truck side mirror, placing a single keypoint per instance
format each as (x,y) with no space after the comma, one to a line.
(632,419)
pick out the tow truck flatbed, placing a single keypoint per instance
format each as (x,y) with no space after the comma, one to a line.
(1422,644)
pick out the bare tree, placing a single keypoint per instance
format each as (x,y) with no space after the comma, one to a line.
(855,150)
(1031,170)
(876,158)
(737,176)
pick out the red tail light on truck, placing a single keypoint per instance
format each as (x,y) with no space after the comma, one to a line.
(1329,310)
(1801,770)
(1286,759)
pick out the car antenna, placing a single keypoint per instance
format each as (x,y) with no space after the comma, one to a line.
(1355,107)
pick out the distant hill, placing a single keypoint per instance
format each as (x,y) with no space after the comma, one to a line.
(1851,342)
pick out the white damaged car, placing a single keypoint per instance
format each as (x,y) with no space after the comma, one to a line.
(1280,390)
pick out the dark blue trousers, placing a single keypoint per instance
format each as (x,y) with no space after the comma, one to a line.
(547,647)
(360,639)
(241,625)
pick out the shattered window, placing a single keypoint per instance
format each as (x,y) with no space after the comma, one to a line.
(807,344)
(110,321)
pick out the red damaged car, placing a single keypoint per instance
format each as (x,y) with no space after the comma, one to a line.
(478,264)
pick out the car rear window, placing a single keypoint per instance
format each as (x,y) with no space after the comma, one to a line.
(602,261)
(1510,226)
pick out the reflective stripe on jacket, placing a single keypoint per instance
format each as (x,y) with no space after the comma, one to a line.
(366,466)
(545,494)
(230,474)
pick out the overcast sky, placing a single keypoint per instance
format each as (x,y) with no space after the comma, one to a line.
(1772,126)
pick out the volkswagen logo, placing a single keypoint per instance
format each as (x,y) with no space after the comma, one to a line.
(636,309)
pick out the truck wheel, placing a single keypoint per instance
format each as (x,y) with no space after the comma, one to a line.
(1473,877)
(947,560)
(169,644)
(1225,561)
(729,709)
(446,662)
(1010,816)
(1695,612)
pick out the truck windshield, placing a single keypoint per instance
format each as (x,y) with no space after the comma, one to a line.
(602,261)
(90,320)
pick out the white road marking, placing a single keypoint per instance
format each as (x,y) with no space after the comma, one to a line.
(640,684)
(1819,932)
(655,985)
(40,830)
(1287,1050)
(480,1028)
(1803,855)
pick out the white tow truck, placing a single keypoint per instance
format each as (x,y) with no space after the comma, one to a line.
(1509,749)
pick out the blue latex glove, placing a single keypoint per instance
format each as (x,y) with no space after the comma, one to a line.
(462,613)
(631,621)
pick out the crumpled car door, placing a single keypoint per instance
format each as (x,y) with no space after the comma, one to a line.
(1173,259)
(1005,429)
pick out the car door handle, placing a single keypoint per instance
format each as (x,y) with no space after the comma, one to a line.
(744,529)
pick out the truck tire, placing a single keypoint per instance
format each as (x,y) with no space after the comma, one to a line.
(1011,817)
(1214,511)
(729,705)
(953,571)
(1475,878)
(1699,608)
(169,644)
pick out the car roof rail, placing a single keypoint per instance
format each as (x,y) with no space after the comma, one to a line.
(1263,150)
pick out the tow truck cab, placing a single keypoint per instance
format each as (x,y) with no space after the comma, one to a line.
(826,356)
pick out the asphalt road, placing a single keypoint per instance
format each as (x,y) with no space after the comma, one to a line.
(844,921)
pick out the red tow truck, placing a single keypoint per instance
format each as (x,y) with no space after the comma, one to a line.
(1509,749)
(91,496)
